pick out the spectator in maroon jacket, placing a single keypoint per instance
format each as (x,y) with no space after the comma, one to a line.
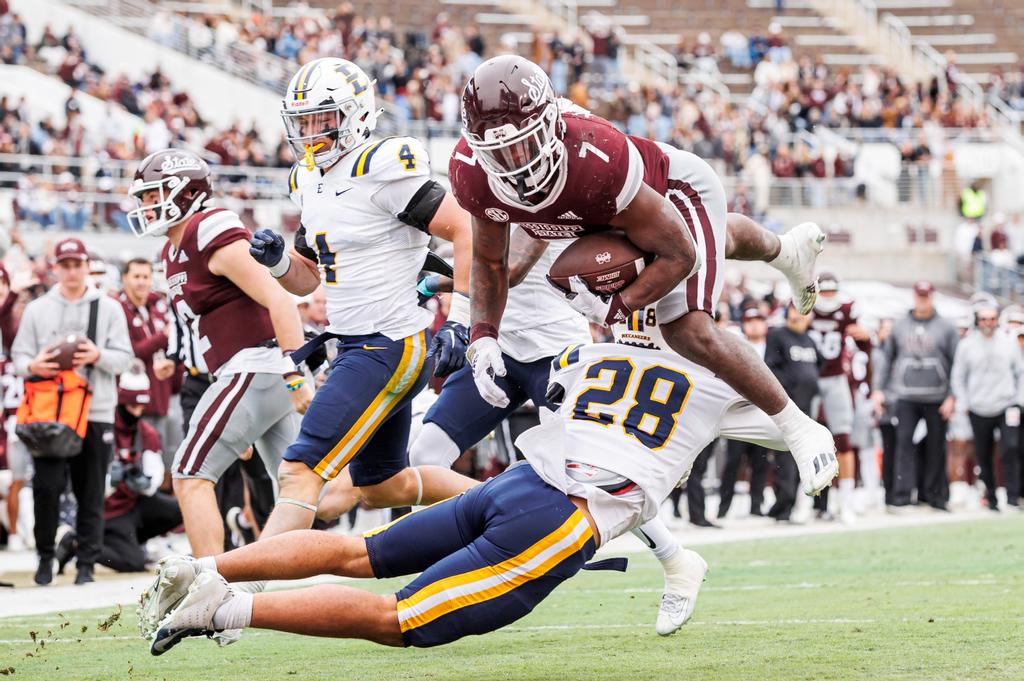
(148,328)
(8,311)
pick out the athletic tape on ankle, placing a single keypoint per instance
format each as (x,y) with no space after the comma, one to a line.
(296,502)
(419,487)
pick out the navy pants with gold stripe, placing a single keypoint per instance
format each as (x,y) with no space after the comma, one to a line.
(487,557)
(365,404)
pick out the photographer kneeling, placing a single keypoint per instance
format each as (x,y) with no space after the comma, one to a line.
(134,510)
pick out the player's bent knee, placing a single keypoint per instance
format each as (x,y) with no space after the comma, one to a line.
(398,490)
(296,480)
(433,447)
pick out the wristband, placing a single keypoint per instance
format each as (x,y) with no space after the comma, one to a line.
(458,311)
(294,385)
(282,267)
(482,330)
(618,311)
(427,286)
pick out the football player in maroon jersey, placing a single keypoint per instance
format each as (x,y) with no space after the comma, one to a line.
(238,323)
(561,175)
(833,320)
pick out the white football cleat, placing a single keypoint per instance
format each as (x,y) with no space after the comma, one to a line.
(814,450)
(193,616)
(174,576)
(677,606)
(800,249)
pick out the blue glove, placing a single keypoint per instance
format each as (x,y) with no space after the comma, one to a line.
(267,247)
(449,348)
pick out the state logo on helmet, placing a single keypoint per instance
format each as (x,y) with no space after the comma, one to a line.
(328,109)
(511,121)
(170,186)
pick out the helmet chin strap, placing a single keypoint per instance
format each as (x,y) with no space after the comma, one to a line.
(521,188)
(308,160)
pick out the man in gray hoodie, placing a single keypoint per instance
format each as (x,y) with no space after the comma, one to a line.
(64,310)
(914,367)
(986,383)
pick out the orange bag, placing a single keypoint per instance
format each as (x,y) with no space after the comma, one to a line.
(54,415)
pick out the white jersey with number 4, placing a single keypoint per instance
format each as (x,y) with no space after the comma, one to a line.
(369,260)
(634,418)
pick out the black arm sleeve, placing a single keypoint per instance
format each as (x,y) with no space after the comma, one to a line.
(423,206)
(301,247)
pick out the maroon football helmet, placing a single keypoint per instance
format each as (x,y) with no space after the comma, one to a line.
(511,121)
(182,181)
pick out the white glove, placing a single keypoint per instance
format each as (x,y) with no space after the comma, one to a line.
(597,308)
(484,356)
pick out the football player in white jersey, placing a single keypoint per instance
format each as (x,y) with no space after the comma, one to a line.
(368,210)
(631,422)
(537,322)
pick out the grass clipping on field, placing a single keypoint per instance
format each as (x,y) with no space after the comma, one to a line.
(39,641)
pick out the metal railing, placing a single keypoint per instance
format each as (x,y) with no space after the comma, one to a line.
(94,175)
(241,60)
(1003,280)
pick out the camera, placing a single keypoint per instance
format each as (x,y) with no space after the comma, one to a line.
(130,473)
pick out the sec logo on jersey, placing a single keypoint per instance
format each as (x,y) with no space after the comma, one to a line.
(496,214)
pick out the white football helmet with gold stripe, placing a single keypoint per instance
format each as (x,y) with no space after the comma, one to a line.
(329,108)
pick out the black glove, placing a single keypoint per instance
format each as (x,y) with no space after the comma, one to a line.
(449,348)
(267,247)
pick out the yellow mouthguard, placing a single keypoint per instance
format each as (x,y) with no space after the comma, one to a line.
(310,150)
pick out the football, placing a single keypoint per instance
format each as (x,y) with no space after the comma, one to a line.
(607,262)
(66,348)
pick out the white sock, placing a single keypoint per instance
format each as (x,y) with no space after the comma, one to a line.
(784,259)
(846,486)
(208,563)
(251,587)
(658,538)
(789,418)
(235,614)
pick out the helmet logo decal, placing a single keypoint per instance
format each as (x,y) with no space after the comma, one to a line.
(536,87)
(496,214)
(500,133)
(177,164)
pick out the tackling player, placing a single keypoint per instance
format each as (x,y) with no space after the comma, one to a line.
(560,175)
(237,323)
(536,320)
(833,320)
(630,423)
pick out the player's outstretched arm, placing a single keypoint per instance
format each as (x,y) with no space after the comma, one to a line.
(234,262)
(654,226)
(453,224)
(490,275)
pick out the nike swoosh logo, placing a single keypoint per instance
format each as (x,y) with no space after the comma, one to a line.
(343,191)
(373,347)
(648,540)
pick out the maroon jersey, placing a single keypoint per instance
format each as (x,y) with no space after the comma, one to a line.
(216,318)
(603,171)
(146,331)
(829,330)
(130,443)
(858,365)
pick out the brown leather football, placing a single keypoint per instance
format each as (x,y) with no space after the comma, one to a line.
(66,348)
(607,262)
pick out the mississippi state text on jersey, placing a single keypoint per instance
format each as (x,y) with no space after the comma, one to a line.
(218,319)
(602,173)
(829,330)
(368,257)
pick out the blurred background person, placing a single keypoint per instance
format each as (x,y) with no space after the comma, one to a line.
(914,366)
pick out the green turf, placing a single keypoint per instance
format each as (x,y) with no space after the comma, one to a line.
(939,602)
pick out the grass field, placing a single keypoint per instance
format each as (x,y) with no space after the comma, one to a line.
(934,602)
